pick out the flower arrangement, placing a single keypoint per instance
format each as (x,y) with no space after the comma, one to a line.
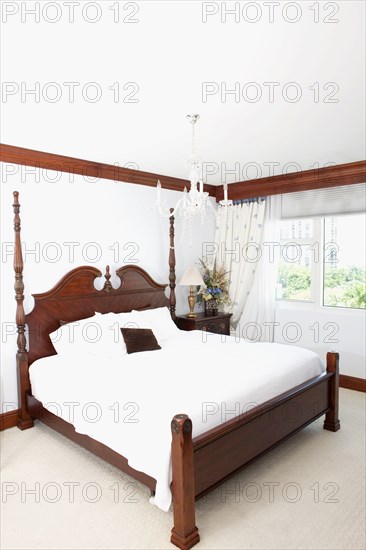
(216,284)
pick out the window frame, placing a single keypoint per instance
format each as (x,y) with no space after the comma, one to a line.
(317,272)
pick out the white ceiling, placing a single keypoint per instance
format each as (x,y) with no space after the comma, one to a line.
(170,53)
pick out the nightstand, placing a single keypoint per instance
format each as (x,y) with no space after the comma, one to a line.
(220,324)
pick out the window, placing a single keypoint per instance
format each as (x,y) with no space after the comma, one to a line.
(295,268)
(344,275)
(323,261)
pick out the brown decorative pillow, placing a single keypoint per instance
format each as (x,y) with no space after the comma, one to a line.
(139,339)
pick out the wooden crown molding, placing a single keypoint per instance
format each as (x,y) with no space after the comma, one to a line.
(330,176)
(60,163)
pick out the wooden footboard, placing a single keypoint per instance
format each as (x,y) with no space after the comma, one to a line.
(201,464)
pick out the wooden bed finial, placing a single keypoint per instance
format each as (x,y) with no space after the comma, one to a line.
(24,419)
(172,276)
(107,285)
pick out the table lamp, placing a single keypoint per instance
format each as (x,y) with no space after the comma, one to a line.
(192,278)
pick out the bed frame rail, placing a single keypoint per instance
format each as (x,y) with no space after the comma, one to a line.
(240,441)
(37,411)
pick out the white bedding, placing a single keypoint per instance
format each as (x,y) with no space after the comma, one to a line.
(128,402)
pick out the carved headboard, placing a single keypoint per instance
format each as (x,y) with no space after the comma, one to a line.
(75,297)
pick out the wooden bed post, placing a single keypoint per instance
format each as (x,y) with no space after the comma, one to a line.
(184,533)
(172,277)
(331,421)
(24,418)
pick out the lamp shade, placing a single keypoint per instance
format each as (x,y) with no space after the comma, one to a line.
(191,276)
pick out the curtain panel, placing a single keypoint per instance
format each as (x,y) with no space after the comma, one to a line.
(241,234)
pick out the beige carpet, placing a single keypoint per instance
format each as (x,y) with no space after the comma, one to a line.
(307,493)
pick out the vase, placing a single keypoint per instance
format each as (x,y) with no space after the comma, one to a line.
(211,307)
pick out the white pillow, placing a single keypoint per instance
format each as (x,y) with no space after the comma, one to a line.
(159,321)
(126,320)
(99,335)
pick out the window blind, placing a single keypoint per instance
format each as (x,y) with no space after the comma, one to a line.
(329,201)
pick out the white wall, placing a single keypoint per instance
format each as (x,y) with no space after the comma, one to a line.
(325,329)
(74,210)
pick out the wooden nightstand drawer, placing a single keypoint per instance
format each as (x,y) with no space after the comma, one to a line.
(219,324)
(219,327)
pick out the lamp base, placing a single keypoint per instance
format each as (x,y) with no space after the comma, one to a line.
(191,303)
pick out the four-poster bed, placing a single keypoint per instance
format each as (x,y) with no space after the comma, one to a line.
(199,464)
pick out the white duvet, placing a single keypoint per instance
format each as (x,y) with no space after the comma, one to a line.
(128,402)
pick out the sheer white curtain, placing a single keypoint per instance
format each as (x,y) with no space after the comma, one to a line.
(247,243)
(258,317)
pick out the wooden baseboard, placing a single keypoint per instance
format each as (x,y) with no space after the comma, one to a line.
(352,383)
(8,419)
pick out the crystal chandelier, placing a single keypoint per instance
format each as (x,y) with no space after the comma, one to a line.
(195,202)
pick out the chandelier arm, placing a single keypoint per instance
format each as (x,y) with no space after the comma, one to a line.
(172,212)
